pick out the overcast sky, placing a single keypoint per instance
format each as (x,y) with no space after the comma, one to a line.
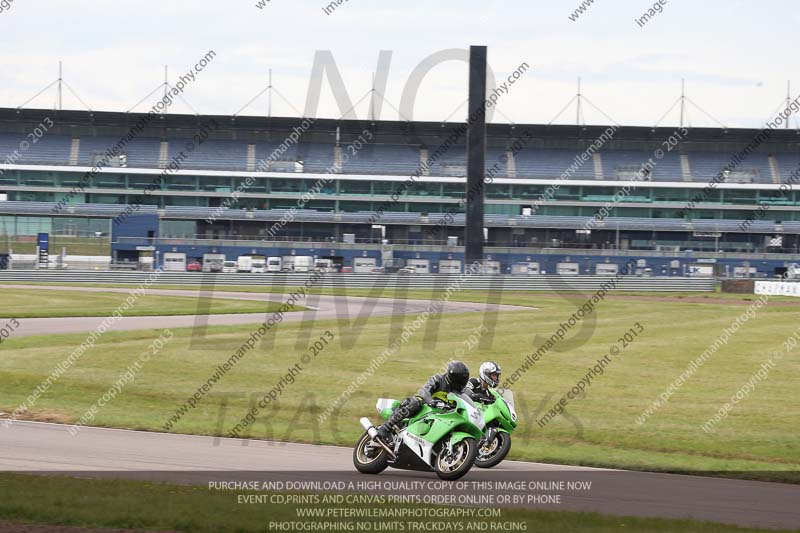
(736,56)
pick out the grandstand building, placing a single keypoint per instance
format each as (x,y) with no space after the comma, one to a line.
(394,191)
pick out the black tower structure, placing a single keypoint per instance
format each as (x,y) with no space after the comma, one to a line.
(476,155)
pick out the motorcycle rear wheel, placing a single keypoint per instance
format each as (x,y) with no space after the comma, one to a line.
(369,459)
(499,449)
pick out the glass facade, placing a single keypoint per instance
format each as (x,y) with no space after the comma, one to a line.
(18,225)
(367,195)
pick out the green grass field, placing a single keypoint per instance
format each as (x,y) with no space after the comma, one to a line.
(74,245)
(120,504)
(30,303)
(757,440)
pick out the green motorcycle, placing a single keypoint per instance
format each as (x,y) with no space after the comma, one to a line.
(499,419)
(443,439)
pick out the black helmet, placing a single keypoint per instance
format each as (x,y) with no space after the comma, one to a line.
(457,375)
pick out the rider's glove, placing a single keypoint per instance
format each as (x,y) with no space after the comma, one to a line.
(438,404)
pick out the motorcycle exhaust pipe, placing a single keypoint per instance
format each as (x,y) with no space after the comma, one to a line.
(373,434)
(368,427)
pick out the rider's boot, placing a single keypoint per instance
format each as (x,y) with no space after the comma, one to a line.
(409,408)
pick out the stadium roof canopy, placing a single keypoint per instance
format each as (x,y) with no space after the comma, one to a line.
(254,128)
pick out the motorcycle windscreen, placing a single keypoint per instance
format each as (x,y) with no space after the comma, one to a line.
(385,406)
(508,396)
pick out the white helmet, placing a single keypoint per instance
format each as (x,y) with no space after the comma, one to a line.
(490,373)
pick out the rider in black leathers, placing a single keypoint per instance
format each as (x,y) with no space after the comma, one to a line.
(488,377)
(433,393)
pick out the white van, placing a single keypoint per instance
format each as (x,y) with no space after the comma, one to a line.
(303,263)
(287,263)
(244,263)
(229,267)
(274,264)
(213,262)
(258,264)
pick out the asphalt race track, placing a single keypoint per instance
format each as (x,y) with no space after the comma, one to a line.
(186,459)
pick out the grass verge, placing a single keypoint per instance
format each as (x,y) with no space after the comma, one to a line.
(31,303)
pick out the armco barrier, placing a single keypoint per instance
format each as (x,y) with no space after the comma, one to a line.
(369,281)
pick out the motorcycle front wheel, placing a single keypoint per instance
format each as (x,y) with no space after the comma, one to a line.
(493,453)
(452,466)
